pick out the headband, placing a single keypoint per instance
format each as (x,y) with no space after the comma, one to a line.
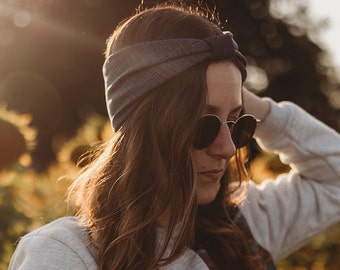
(133,71)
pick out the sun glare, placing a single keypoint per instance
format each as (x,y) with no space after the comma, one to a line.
(16,16)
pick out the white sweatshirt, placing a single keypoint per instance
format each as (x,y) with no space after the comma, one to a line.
(282,214)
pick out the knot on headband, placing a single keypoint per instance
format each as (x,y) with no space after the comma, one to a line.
(135,70)
(223,46)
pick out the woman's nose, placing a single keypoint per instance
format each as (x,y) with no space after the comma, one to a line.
(223,146)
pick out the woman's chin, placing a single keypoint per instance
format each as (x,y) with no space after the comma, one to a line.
(206,198)
(207,191)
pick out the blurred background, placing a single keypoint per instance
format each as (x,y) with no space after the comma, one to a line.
(52,107)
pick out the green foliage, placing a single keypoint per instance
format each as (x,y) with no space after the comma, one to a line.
(29,200)
(16,136)
(13,223)
(321,253)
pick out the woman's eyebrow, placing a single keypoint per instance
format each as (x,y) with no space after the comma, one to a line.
(213,109)
(210,109)
(238,109)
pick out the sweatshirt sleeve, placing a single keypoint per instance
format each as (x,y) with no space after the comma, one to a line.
(60,245)
(41,252)
(284,214)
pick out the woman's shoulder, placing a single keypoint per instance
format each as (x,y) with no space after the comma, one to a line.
(62,229)
(61,242)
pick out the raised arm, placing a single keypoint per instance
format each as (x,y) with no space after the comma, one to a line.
(285,213)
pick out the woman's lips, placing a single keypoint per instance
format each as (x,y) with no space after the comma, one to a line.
(212,174)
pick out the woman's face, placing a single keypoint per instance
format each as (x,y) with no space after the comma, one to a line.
(224,99)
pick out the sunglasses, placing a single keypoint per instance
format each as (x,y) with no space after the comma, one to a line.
(241,130)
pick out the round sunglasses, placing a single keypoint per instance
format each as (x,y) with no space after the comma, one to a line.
(241,130)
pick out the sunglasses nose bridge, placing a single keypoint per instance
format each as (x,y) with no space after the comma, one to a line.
(229,124)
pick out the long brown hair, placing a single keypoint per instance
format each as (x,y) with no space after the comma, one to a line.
(147,168)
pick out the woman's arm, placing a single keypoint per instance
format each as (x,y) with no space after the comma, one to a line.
(284,214)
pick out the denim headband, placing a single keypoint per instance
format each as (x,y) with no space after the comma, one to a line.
(133,71)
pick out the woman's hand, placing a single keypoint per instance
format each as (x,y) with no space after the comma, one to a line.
(255,105)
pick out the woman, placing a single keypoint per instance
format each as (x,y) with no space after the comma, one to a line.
(166,192)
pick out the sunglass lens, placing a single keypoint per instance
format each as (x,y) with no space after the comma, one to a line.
(243,130)
(208,127)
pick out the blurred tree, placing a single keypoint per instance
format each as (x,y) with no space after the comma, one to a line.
(60,44)
(16,137)
(13,224)
(278,43)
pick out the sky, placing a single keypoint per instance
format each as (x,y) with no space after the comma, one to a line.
(329,9)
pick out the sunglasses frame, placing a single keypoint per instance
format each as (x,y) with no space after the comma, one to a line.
(231,125)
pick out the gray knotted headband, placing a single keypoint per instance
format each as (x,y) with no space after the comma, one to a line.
(133,71)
